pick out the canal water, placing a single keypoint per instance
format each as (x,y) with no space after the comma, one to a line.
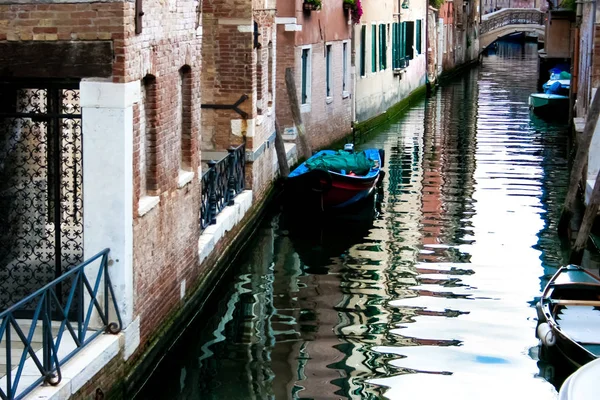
(426,293)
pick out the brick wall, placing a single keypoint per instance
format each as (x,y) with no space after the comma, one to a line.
(596,58)
(328,119)
(68,22)
(166,132)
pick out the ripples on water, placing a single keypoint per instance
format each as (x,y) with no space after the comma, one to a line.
(430,298)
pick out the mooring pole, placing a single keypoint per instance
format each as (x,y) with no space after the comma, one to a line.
(586,225)
(583,149)
(284,168)
(290,83)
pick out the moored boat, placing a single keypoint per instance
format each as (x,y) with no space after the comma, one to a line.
(335,179)
(548,103)
(582,384)
(569,316)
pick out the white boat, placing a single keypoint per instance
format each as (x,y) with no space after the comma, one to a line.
(582,384)
(565,84)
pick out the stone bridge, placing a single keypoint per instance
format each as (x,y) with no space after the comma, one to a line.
(510,20)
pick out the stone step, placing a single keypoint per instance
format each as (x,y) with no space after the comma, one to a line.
(25,326)
(17,352)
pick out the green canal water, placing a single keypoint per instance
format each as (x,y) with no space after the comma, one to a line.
(426,293)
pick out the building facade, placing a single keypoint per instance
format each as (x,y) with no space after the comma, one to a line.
(390,60)
(316,45)
(113,115)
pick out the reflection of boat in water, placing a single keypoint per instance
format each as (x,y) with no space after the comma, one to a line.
(569,316)
(317,239)
(334,179)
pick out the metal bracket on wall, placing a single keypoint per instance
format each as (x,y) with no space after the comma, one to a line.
(233,107)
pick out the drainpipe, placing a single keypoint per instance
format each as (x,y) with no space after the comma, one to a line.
(574,71)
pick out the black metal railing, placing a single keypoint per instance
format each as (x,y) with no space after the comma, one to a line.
(71,322)
(221,182)
(506,17)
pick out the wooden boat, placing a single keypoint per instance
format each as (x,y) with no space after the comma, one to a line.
(546,103)
(333,188)
(569,315)
(582,384)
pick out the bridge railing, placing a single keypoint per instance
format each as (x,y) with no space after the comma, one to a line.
(511,16)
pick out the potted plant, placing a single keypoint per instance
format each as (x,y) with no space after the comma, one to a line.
(310,5)
(355,7)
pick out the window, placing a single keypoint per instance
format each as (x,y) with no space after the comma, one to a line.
(271,76)
(374,48)
(418,40)
(344,66)
(363,50)
(185,117)
(382,47)
(328,70)
(409,39)
(148,136)
(305,76)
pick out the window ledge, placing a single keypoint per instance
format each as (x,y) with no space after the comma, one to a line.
(147,203)
(345,95)
(304,108)
(329,100)
(185,177)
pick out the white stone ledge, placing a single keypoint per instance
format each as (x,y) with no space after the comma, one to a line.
(293,28)
(285,20)
(226,220)
(80,369)
(99,94)
(185,177)
(147,203)
(291,154)
(589,187)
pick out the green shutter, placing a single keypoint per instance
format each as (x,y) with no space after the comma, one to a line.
(402,49)
(363,50)
(304,76)
(374,48)
(394,45)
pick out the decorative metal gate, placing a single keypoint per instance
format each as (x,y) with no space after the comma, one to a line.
(41,227)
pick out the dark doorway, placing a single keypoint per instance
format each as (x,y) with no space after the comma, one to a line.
(41,177)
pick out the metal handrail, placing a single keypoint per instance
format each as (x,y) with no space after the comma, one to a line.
(221,183)
(71,315)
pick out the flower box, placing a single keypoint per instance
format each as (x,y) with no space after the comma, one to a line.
(309,6)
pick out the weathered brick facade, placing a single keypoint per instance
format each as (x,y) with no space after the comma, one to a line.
(326,118)
(164,60)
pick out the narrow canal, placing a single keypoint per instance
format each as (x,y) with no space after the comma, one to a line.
(427,294)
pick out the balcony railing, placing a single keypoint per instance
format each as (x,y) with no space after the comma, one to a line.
(223,180)
(514,16)
(59,328)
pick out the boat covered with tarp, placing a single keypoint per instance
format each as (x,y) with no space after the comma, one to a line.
(335,178)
